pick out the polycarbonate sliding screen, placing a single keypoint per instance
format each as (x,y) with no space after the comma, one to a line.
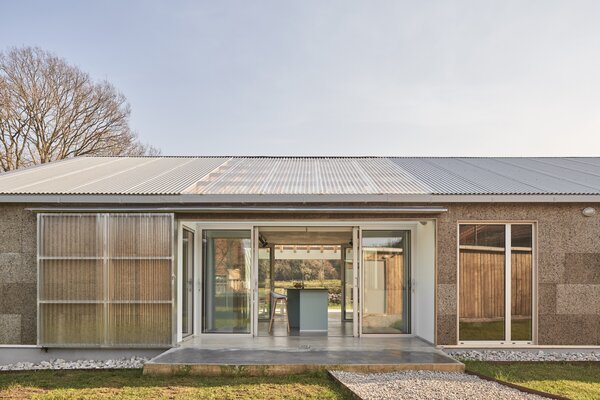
(105,279)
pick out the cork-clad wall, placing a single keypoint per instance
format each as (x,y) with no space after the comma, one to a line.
(18,275)
(568,268)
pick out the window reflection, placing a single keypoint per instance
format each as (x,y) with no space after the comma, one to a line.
(482,268)
(521,282)
(385,280)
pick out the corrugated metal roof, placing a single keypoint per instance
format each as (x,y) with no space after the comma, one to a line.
(238,176)
(309,175)
(506,175)
(110,175)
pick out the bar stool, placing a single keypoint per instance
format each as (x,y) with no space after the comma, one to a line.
(277,298)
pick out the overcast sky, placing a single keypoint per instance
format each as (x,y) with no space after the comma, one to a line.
(337,77)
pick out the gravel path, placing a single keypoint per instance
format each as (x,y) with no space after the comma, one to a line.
(427,385)
(132,362)
(524,355)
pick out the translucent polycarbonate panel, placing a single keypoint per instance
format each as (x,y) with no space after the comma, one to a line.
(482,263)
(139,280)
(66,279)
(140,284)
(67,235)
(227,270)
(140,235)
(386,273)
(139,324)
(105,279)
(521,282)
(71,324)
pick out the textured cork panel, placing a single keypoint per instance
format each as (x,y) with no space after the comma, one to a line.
(11,229)
(569,329)
(582,268)
(578,299)
(446,299)
(546,298)
(10,333)
(18,274)
(14,270)
(20,299)
(568,253)
(446,329)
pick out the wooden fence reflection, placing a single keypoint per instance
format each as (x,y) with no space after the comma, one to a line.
(481,292)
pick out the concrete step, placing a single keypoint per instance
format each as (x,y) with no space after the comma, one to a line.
(252,362)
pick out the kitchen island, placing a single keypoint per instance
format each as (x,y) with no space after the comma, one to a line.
(307,309)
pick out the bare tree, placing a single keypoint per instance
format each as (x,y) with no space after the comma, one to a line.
(50,110)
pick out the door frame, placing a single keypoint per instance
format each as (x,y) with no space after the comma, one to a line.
(202,226)
(411,228)
(192,311)
(253,226)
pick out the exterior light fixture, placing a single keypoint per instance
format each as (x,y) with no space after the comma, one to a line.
(589,211)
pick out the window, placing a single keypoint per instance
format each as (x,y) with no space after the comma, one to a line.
(495,282)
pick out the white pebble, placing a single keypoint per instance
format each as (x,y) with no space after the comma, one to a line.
(523,355)
(427,385)
(123,363)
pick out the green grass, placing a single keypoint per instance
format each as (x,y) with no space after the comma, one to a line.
(131,384)
(580,381)
(494,330)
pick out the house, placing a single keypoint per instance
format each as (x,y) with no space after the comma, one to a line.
(141,252)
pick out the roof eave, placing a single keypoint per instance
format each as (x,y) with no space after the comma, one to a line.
(295,199)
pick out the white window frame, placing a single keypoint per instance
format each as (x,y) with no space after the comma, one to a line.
(507,286)
(406,226)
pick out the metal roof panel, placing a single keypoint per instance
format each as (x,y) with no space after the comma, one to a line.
(308,176)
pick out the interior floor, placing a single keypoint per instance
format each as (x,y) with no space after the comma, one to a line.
(299,257)
(336,327)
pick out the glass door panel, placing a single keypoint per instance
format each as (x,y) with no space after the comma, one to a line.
(347,302)
(482,263)
(227,286)
(187,294)
(521,282)
(385,278)
(264,283)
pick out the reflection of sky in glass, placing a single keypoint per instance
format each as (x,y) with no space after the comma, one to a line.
(383,239)
(482,235)
(521,235)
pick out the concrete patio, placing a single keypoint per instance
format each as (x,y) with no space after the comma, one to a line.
(283,355)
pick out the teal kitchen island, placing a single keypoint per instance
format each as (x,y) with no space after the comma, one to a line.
(307,310)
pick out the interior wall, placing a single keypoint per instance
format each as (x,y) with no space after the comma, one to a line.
(424,281)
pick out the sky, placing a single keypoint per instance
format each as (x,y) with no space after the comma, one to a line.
(326,77)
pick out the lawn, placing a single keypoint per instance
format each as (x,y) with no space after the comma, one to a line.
(572,380)
(131,384)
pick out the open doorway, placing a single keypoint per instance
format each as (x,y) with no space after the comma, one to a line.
(305,281)
(228,272)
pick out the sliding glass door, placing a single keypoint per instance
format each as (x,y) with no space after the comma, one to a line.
(227,281)
(385,282)
(187,293)
(495,282)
